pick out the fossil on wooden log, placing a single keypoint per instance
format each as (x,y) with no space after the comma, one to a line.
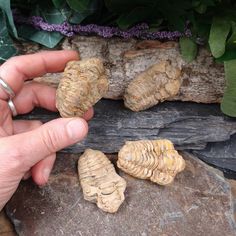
(156,160)
(82,85)
(159,82)
(100,182)
(201,80)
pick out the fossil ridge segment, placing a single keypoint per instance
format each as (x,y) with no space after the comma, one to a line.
(82,85)
(156,160)
(100,182)
(157,83)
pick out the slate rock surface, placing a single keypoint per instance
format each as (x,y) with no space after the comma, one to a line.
(221,154)
(199,202)
(187,125)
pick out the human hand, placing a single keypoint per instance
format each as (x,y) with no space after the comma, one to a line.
(29,147)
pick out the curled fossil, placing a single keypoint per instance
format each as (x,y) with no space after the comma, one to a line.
(157,83)
(156,160)
(100,182)
(83,83)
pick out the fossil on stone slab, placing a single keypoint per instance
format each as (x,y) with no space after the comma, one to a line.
(100,182)
(156,160)
(198,203)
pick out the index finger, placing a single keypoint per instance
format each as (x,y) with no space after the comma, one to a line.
(21,68)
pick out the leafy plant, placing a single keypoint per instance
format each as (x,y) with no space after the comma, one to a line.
(220,29)
(228,104)
(212,24)
(188,49)
(7,48)
(6,9)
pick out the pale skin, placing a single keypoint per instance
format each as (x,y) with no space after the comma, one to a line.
(28,148)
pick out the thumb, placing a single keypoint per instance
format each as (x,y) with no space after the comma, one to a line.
(29,148)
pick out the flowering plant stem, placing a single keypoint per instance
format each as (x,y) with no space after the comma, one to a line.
(140,31)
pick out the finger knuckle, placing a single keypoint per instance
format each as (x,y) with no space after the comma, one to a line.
(50,140)
(13,61)
(36,124)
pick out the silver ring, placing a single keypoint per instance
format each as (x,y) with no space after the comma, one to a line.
(7,88)
(12,107)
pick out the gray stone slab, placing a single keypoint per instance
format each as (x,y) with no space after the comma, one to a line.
(220,154)
(188,125)
(199,202)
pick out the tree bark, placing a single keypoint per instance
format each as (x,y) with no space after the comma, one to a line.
(201,80)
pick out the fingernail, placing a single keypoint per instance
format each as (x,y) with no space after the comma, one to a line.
(46,173)
(77,129)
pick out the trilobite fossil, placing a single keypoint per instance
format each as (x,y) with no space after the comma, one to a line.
(83,83)
(157,83)
(100,182)
(156,160)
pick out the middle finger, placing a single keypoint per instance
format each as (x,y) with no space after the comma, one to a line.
(35,95)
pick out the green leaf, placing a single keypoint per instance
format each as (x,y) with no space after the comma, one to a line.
(188,49)
(124,6)
(155,25)
(7,47)
(55,16)
(51,14)
(175,12)
(6,8)
(228,104)
(48,39)
(231,42)
(201,8)
(58,3)
(78,16)
(138,14)
(228,55)
(78,5)
(220,29)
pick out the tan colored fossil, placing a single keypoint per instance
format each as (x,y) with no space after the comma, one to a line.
(156,160)
(157,83)
(83,83)
(100,182)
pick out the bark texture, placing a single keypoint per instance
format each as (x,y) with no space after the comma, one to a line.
(201,81)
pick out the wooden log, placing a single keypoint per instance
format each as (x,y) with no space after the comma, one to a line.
(201,81)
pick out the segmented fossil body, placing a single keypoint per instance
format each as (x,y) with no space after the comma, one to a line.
(100,182)
(83,83)
(156,160)
(159,82)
